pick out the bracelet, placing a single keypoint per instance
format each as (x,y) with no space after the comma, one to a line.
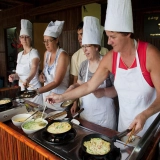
(37,92)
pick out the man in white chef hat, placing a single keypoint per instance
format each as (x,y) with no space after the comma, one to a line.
(55,75)
(136,69)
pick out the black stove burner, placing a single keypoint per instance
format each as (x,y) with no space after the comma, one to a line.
(115,154)
(5,108)
(58,139)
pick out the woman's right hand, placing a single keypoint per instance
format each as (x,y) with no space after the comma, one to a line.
(42,77)
(74,108)
(11,77)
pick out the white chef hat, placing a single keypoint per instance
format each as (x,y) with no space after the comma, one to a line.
(92,31)
(119,16)
(54,29)
(26,28)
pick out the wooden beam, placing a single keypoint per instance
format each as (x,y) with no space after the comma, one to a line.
(14,2)
(61,5)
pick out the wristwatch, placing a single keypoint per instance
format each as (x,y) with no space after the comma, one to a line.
(37,92)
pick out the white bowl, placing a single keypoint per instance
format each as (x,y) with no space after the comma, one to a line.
(75,121)
(18,119)
(30,131)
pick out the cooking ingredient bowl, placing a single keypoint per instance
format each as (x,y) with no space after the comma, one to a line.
(18,119)
(32,125)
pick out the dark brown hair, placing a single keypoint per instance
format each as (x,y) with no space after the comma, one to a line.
(127,33)
(99,47)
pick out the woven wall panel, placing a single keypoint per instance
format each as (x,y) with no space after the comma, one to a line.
(15,146)
(69,41)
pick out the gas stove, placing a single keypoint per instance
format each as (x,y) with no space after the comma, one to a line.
(8,113)
(71,150)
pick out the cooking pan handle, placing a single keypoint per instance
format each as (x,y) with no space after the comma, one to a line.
(120,135)
(77,113)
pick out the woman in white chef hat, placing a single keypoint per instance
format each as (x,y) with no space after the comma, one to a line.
(55,75)
(136,68)
(27,62)
(100,111)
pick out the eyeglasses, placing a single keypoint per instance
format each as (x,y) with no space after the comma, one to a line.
(48,41)
(24,37)
(86,46)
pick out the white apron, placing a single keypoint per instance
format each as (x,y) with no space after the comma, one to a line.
(100,111)
(50,78)
(23,70)
(134,94)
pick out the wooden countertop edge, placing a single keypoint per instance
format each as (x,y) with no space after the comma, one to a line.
(29,142)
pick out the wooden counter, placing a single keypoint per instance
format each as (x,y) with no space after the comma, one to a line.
(15,145)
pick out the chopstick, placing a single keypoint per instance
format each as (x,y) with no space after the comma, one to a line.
(132,132)
(43,111)
(31,115)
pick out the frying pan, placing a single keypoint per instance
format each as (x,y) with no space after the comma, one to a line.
(30,93)
(105,138)
(7,105)
(68,121)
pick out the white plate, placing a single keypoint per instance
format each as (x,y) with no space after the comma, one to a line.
(55,112)
(75,121)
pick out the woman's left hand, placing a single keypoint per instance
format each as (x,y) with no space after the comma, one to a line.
(138,122)
(26,83)
(54,98)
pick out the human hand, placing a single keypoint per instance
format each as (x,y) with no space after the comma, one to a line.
(54,98)
(26,83)
(42,77)
(70,88)
(138,122)
(100,92)
(11,77)
(74,108)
